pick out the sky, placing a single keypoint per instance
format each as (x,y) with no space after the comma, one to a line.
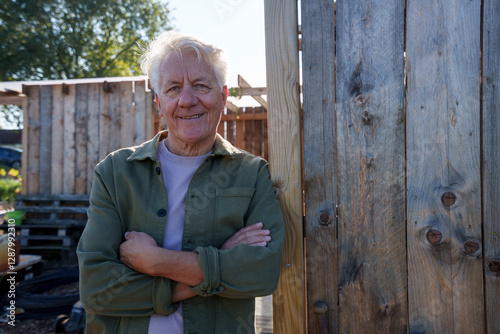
(236,26)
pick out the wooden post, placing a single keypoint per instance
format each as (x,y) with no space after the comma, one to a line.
(445,266)
(282,58)
(490,83)
(318,71)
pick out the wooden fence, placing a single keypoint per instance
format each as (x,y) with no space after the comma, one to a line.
(69,128)
(401,164)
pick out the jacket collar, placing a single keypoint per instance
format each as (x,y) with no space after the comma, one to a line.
(149,149)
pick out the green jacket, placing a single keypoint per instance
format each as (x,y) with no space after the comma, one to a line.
(230,190)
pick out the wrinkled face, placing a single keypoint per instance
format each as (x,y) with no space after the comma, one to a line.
(191,103)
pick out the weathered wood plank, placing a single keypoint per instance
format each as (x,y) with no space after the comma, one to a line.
(81,138)
(56,180)
(249,133)
(25,142)
(445,269)
(491,160)
(94,92)
(139,112)
(69,140)
(282,59)
(371,182)
(45,139)
(258,135)
(126,110)
(104,123)
(150,111)
(33,162)
(318,71)
(115,117)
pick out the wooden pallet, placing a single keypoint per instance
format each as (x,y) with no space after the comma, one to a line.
(52,224)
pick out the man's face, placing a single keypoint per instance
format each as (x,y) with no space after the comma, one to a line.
(191,103)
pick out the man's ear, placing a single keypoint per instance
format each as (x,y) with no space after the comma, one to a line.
(225,94)
(157,100)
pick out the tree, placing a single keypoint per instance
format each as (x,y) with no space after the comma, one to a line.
(67,39)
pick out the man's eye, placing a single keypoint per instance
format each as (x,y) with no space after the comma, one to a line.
(201,87)
(173,89)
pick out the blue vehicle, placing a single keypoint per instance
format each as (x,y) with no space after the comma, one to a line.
(11,157)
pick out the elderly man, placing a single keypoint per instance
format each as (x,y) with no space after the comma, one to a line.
(183,231)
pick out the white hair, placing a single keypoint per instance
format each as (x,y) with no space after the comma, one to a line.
(170,42)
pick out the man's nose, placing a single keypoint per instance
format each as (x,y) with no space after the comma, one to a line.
(187,97)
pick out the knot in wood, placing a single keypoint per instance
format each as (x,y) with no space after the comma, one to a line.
(434,236)
(367,117)
(494,266)
(470,247)
(448,199)
(324,218)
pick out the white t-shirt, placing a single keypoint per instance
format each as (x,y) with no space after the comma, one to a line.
(177,172)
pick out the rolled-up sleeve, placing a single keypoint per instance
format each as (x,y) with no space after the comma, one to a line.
(247,271)
(107,286)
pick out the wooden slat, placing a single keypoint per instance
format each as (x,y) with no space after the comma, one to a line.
(25,142)
(51,198)
(127,118)
(56,186)
(81,138)
(257,97)
(94,92)
(445,266)
(249,133)
(115,117)
(318,71)
(258,138)
(150,111)
(491,161)
(104,124)
(282,59)
(69,140)
(33,162)
(45,140)
(53,209)
(371,167)
(139,112)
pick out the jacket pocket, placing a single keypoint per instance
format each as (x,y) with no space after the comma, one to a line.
(231,208)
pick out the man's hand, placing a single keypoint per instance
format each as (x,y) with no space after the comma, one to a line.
(252,235)
(139,252)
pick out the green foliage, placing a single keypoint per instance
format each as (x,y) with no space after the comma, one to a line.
(10,185)
(67,39)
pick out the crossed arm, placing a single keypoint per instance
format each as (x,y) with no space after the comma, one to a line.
(141,253)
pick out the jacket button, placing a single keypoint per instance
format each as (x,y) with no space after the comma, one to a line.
(158,170)
(162,213)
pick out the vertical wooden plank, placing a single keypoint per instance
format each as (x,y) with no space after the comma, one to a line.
(139,112)
(57,140)
(258,135)
(445,267)
(104,123)
(230,128)
(491,160)
(318,72)
(282,59)
(150,113)
(126,114)
(69,140)
(265,144)
(25,142)
(81,138)
(240,132)
(249,133)
(94,92)
(45,139)
(115,117)
(33,162)
(371,174)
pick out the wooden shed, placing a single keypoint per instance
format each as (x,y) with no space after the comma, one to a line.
(398,136)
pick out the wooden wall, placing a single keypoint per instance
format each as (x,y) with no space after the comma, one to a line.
(401,163)
(69,128)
